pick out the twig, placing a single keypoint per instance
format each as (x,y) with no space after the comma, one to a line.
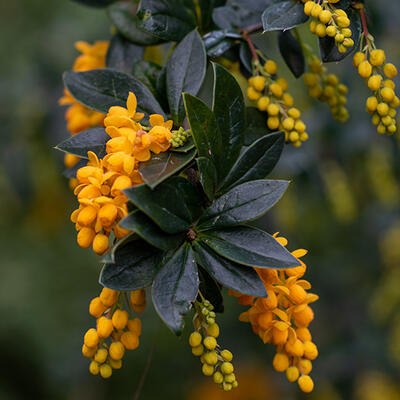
(251,45)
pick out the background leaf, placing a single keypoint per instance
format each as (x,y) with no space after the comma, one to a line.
(123,16)
(243,203)
(211,290)
(150,232)
(281,15)
(234,276)
(101,89)
(175,288)
(256,161)
(256,125)
(122,54)
(292,53)
(219,42)
(135,267)
(94,139)
(208,176)
(148,73)
(185,73)
(95,3)
(162,166)
(249,246)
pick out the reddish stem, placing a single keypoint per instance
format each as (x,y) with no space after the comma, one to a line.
(251,45)
(364,23)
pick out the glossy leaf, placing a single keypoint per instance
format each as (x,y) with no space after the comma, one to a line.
(327,47)
(123,16)
(243,203)
(238,14)
(162,166)
(281,15)
(175,288)
(185,73)
(101,89)
(246,57)
(257,161)
(188,145)
(150,232)
(94,139)
(122,54)
(169,20)
(219,42)
(211,290)
(165,205)
(147,72)
(135,267)
(205,130)
(234,276)
(228,107)
(208,176)
(249,246)
(292,53)
(256,126)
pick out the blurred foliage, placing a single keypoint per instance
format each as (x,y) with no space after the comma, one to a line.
(352,233)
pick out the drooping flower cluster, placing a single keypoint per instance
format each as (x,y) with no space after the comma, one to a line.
(371,65)
(271,96)
(78,116)
(100,182)
(115,332)
(283,319)
(329,21)
(327,88)
(216,362)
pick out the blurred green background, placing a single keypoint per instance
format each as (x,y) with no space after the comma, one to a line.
(343,206)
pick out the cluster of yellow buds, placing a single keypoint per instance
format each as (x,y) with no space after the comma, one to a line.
(203,341)
(114,332)
(271,96)
(329,21)
(371,65)
(79,117)
(283,319)
(179,137)
(327,88)
(100,182)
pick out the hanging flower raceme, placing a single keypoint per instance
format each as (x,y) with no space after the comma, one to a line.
(78,116)
(270,94)
(283,319)
(115,331)
(329,21)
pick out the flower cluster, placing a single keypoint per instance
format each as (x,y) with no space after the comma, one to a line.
(114,332)
(283,319)
(271,96)
(79,117)
(100,182)
(326,87)
(216,362)
(329,21)
(179,137)
(371,65)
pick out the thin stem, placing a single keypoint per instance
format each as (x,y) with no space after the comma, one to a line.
(364,23)
(251,45)
(252,28)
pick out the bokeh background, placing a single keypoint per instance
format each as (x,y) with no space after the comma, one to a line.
(343,205)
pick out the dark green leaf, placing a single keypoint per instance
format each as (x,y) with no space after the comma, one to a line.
(162,166)
(205,131)
(243,203)
(234,276)
(281,15)
(220,41)
(169,20)
(150,232)
(292,53)
(123,16)
(94,139)
(136,265)
(246,57)
(208,176)
(229,110)
(327,46)
(256,127)
(122,54)
(188,145)
(185,73)
(211,290)
(165,205)
(249,246)
(95,3)
(147,72)
(175,288)
(109,257)
(101,89)
(257,161)
(238,14)
(71,172)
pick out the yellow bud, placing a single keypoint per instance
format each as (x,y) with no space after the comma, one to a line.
(377,57)
(306,384)
(208,370)
(294,113)
(282,82)
(94,368)
(218,377)
(270,67)
(104,327)
(91,338)
(316,10)
(105,371)
(376,119)
(227,386)
(374,82)
(198,350)
(116,350)
(85,237)
(259,83)
(211,358)
(372,104)
(382,109)
(390,70)
(287,99)
(311,79)
(389,83)
(195,339)
(230,378)
(262,103)
(280,362)
(294,136)
(331,31)
(252,94)
(320,30)
(70,160)
(276,90)
(305,366)
(332,79)
(227,368)
(358,58)
(310,350)
(100,244)
(387,94)
(381,129)
(101,356)
(210,343)
(343,22)
(108,296)
(365,69)
(325,16)
(273,123)
(273,109)
(288,124)
(135,325)
(292,374)
(88,352)
(96,307)
(115,364)
(130,340)
(213,330)
(308,6)
(226,355)
(120,319)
